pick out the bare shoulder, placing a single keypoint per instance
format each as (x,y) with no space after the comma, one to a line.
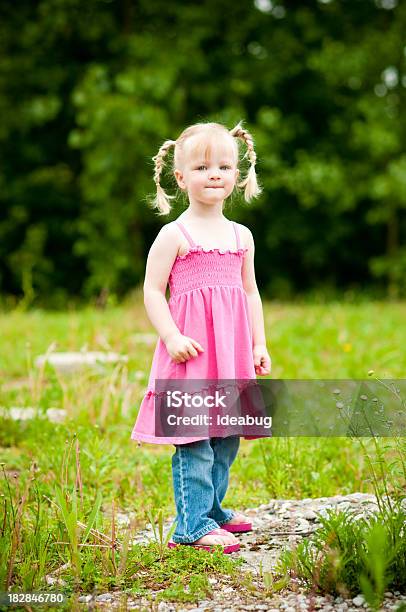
(167,241)
(245,235)
(168,233)
(169,230)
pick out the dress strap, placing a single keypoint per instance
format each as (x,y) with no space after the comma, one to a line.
(237,235)
(186,233)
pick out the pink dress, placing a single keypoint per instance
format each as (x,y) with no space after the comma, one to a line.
(208,303)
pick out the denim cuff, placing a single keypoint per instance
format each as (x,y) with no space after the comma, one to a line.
(188,539)
(229,515)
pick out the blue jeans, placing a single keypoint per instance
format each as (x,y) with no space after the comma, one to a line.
(200,472)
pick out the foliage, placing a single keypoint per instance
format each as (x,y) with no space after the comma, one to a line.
(89,91)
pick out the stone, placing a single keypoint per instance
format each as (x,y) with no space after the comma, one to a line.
(310,515)
(302,525)
(56,415)
(24,413)
(55,581)
(18,413)
(358,601)
(145,338)
(73,361)
(344,505)
(104,597)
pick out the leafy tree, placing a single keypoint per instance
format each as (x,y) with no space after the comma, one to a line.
(89,91)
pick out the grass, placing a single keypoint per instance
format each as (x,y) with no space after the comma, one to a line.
(64,486)
(346,556)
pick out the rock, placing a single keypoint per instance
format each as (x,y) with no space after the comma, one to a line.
(55,581)
(358,600)
(18,413)
(145,338)
(344,505)
(24,413)
(310,515)
(56,415)
(324,512)
(302,525)
(85,598)
(104,597)
(73,361)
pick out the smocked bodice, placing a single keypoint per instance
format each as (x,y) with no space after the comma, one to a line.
(200,268)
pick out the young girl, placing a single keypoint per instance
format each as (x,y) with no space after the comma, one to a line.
(212,327)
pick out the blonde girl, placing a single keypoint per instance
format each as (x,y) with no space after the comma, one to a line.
(212,327)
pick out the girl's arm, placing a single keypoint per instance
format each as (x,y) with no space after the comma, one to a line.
(255,306)
(161,257)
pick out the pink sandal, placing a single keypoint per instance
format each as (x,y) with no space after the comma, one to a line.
(241,527)
(227,549)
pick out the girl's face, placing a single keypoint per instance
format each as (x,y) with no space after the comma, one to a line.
(209,178)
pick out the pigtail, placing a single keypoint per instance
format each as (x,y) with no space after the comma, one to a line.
(161,200)
(252,189)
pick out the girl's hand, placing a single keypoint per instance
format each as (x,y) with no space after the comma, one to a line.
(262,360)
(182,348)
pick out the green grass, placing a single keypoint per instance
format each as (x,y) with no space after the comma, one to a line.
(333,340)
(93,450)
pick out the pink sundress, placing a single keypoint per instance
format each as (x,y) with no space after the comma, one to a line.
(208,303)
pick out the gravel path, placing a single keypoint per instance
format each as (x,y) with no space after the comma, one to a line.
(278,524)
